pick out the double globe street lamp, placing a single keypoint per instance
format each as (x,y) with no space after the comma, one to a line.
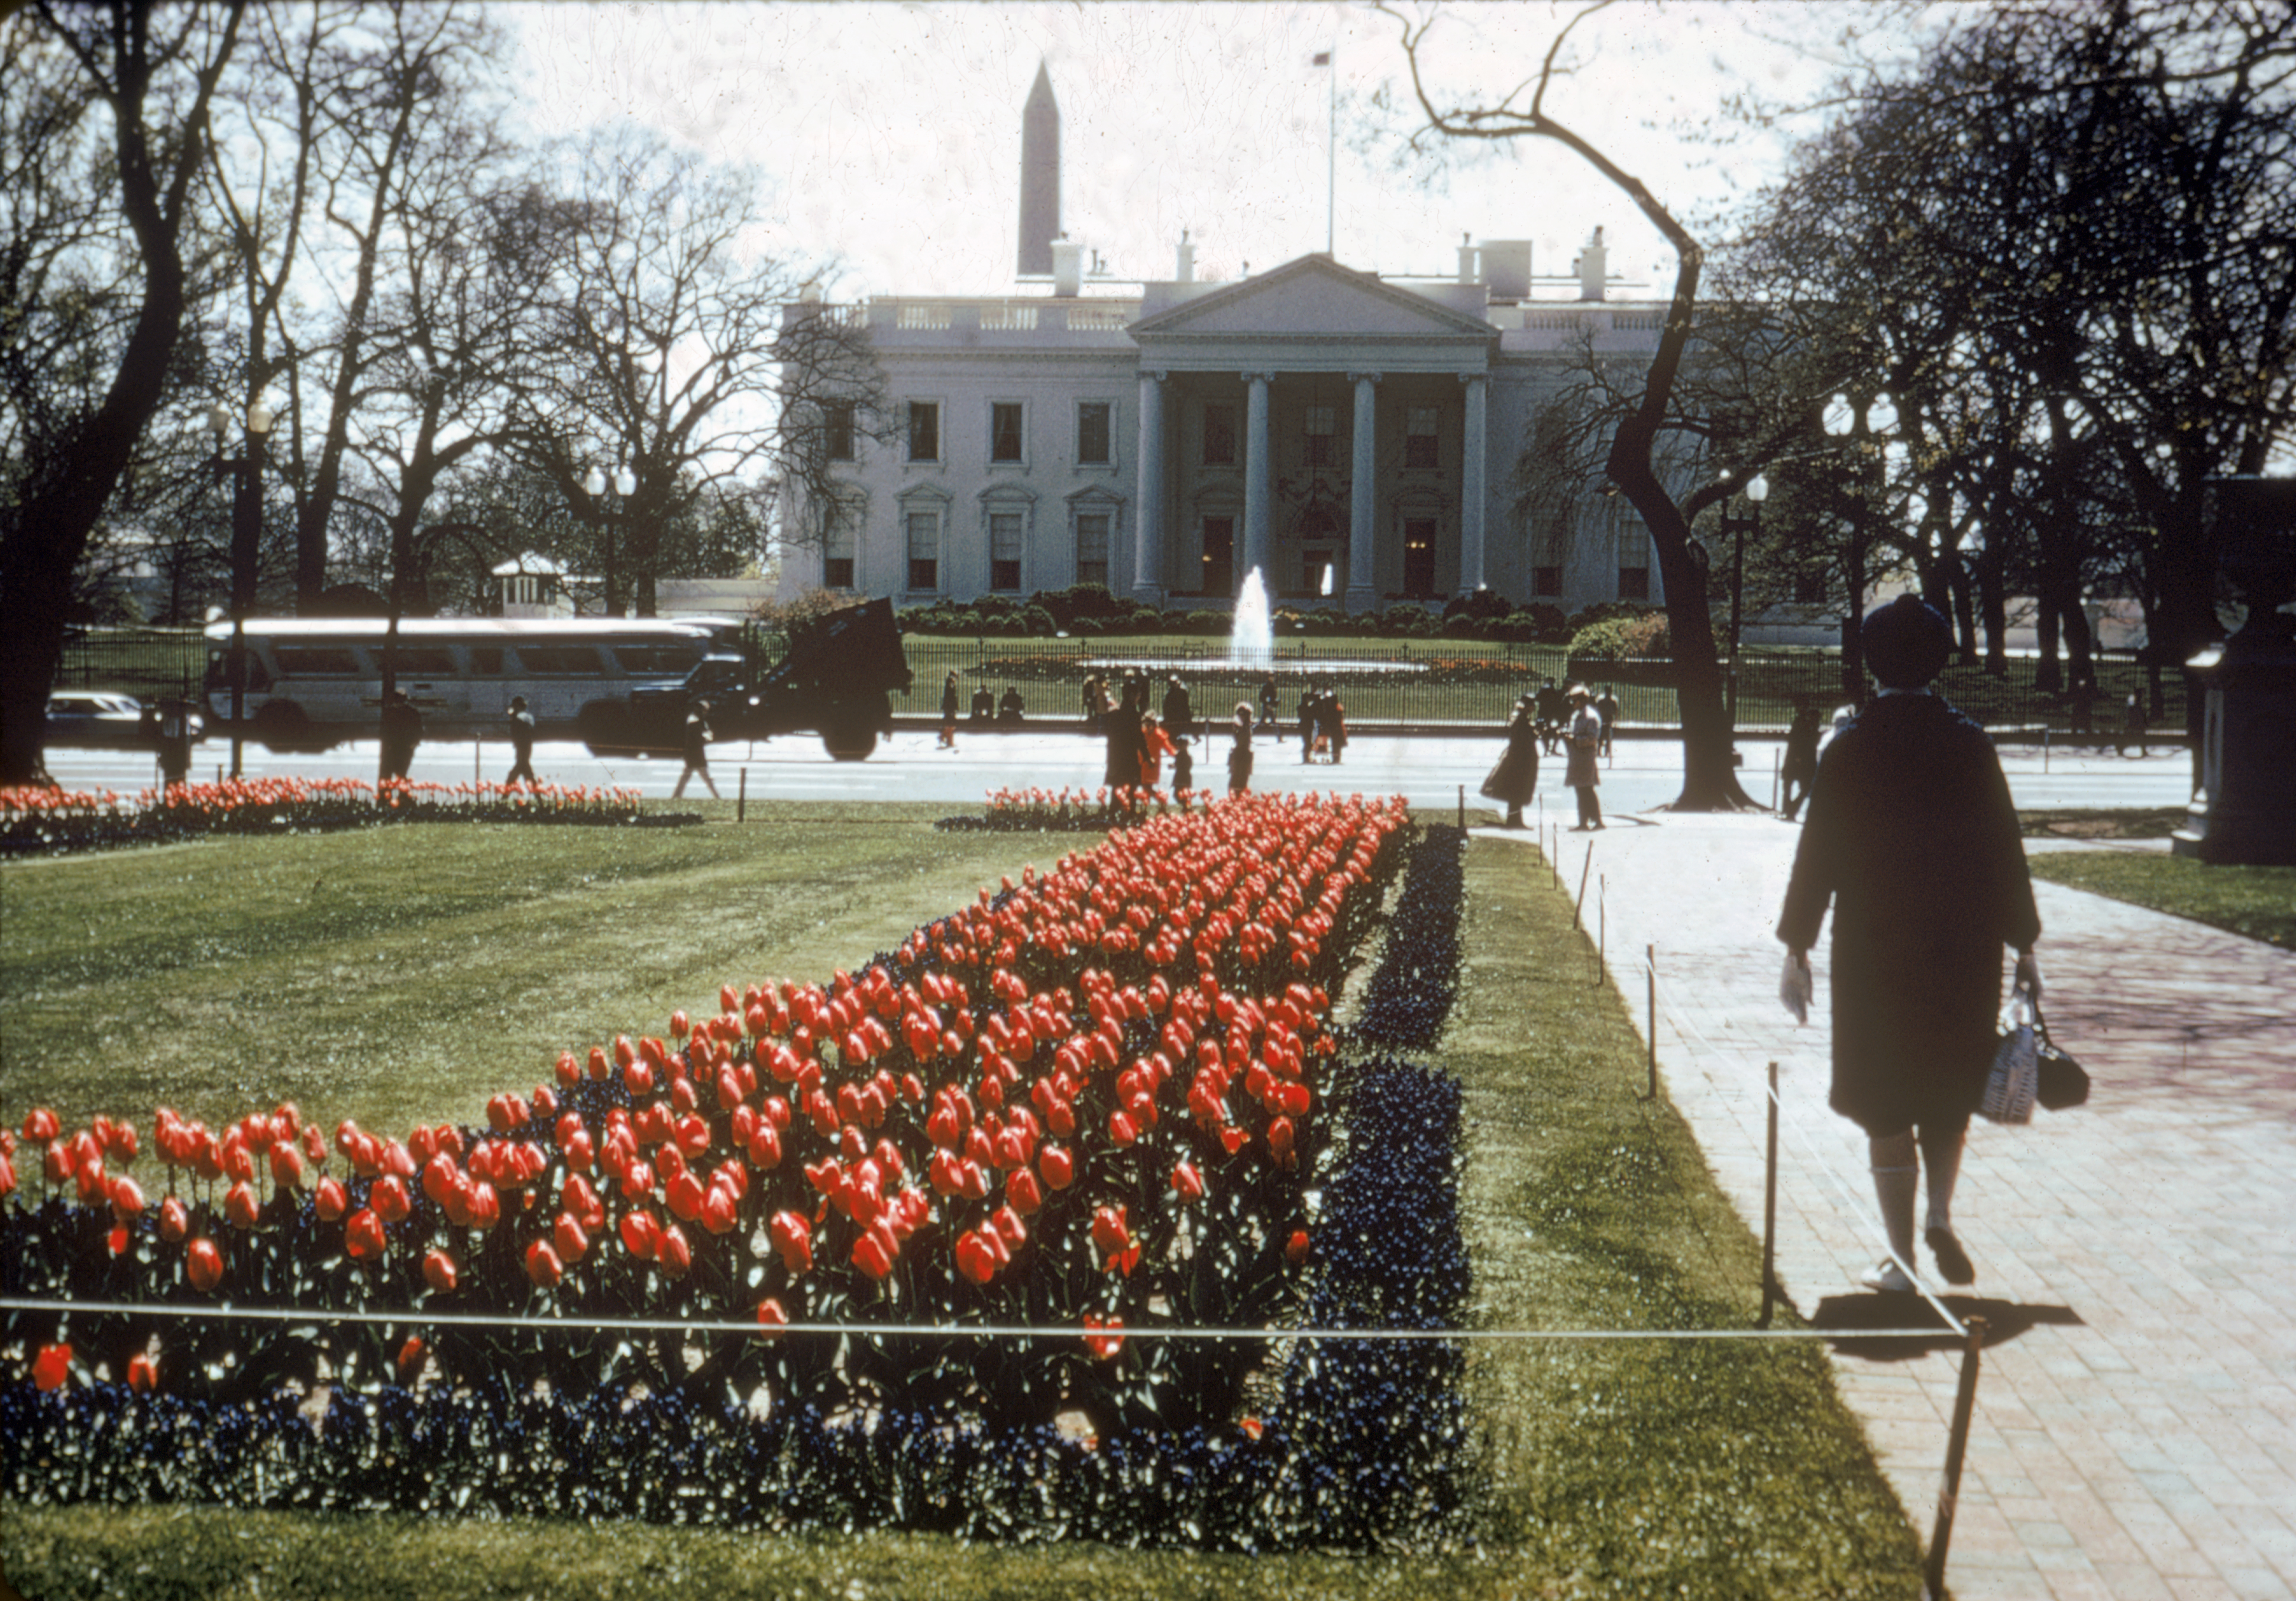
(245,469)
(625,484)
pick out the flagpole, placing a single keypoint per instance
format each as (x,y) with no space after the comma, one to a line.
(1331,154)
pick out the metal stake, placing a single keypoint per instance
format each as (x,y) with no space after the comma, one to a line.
(1770,1207)
(1579,905)
(1650,956)
(1965,1401)
(741,795)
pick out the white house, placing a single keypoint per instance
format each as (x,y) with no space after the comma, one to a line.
(1351,436)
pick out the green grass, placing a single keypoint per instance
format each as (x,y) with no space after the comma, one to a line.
(404,974)
(2256,902)
(407,974)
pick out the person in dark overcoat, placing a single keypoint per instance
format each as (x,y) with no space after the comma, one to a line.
(1515,778)
(1799,769)
(1912,838)
(522,745)
(1239,755)
(1128,745)
(1178,716)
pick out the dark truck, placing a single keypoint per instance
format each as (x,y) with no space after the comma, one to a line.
(836,679)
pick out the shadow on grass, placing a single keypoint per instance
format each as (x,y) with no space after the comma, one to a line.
(2004,1320)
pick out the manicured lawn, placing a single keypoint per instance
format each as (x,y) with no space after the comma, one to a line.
(2259,902)
(407,974)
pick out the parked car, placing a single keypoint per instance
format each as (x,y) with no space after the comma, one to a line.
(100,719)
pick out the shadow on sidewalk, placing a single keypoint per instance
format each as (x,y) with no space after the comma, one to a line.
(2004,1320)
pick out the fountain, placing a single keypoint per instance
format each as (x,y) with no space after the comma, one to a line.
(1251,637)
(1252,649)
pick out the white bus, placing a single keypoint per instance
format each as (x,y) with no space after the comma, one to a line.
(313,683)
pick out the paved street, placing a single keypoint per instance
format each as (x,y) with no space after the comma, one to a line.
(1642,774)
(2136,1425)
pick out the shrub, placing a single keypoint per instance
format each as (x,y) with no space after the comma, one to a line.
(1038,622)
(1640,634)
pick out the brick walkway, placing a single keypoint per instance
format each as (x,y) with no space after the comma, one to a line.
(2136,1425)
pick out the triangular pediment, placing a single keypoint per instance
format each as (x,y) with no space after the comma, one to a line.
(1311,298)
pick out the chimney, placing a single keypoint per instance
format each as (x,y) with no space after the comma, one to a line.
(1506,268)
(1466,260)
(1040,175)
(1068,266)
(1187,265)
(1592,267)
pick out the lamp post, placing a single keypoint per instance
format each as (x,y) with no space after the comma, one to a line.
(625,484)
(1756,490)
(1858,422)
(245,469)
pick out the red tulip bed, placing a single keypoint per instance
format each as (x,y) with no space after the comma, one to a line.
(1104,1102)
(37,821)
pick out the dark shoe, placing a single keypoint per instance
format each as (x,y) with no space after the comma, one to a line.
(1952,1261)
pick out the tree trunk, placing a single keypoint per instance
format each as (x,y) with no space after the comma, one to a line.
(1964,610)
(2048,675)
(1992,607)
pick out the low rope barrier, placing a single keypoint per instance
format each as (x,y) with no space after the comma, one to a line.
(958,1331)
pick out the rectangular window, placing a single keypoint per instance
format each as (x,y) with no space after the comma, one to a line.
(1005,431)
(1321,451)
(317,661)
(837,550)
(1418,436)
(559,661)
(1092,547)
(1093,440)
(1547,580)
(924,550)
(421,660)
(1004,550)
(924,430)
(837,429)
(658,660)
(1219,436)
(1634,583)
(486,661)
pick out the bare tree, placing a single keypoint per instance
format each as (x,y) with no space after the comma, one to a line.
(684,356)
(1708,781)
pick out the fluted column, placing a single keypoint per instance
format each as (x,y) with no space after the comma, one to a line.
(1148,507)
(1363,564)
(1258,475)
(1471,492)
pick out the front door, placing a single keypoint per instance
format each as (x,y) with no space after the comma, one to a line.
(1419,557)
(1219,556)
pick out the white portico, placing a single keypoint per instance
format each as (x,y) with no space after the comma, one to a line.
(1358,472)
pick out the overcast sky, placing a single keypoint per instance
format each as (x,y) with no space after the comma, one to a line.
(887,137)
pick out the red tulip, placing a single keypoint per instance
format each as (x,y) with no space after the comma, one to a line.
(869,1255)
(542,1265)
(52,1366)
(1295,1248)
(1187,1182)
(439,1269)
(363,1234)
(203,1263)
(389,1198)
(126,1198)
(675,1256)
(41,1125)
(641,1234)
(410,1356)
(240,1206)
(1057,1166)
(142,1373)
(1021,1193)
(175,1220)
(770,1318)
(719,1208)
(573,1244)
(1104,1346)
(976,1258)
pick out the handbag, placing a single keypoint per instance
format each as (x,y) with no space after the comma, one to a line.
(2014,1082)
(2060,1081)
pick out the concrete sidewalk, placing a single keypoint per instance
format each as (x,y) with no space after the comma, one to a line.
(2136,1425)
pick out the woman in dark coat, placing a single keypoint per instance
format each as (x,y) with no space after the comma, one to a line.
(1516,777)
(1799,770)
(1128,746)
(1913,839)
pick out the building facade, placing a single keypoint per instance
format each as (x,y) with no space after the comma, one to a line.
(1354,437)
